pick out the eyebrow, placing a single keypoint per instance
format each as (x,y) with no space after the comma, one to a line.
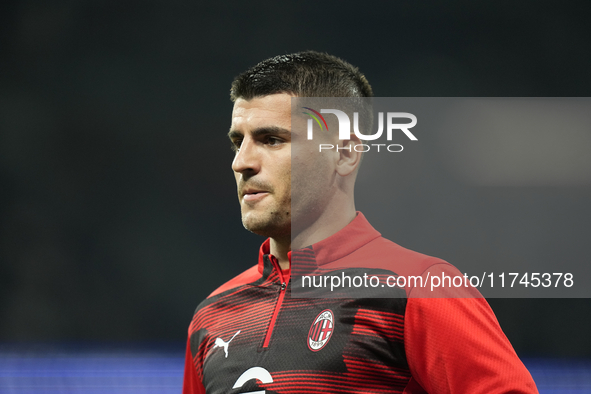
(232,134)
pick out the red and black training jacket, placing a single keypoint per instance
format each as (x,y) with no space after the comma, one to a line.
(252,335)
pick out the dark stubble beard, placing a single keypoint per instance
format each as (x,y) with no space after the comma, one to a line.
(274,224)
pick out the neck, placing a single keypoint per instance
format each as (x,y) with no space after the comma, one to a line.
(279,249)
(321,228)
(327,224)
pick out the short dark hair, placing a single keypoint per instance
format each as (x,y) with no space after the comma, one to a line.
(303,74)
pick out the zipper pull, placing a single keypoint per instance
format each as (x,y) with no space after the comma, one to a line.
(283,286)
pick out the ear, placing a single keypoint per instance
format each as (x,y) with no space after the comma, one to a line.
(349,158)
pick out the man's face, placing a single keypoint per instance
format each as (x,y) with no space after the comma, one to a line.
(261,136)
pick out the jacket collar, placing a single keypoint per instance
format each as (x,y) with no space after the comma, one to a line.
(344,242)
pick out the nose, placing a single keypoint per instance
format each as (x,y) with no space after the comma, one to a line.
(247,160)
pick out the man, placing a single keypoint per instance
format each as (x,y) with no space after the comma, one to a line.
(251,335)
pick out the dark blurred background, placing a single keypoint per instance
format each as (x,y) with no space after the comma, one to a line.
(118,210)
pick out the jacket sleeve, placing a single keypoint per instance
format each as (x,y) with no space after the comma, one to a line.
(454,344)
(191,383)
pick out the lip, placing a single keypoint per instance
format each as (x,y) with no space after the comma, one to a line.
(253,195)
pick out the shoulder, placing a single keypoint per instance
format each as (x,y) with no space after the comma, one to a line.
(211,304)
(250,275)
(414,269)
(381,253)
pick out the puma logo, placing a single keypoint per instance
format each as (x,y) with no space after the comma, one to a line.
(219,342)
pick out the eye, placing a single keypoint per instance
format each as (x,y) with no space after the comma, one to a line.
(273,141)
(236,145)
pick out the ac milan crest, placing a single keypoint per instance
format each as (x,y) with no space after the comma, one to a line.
(321,330)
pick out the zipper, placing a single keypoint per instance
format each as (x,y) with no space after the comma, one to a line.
(278,304)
